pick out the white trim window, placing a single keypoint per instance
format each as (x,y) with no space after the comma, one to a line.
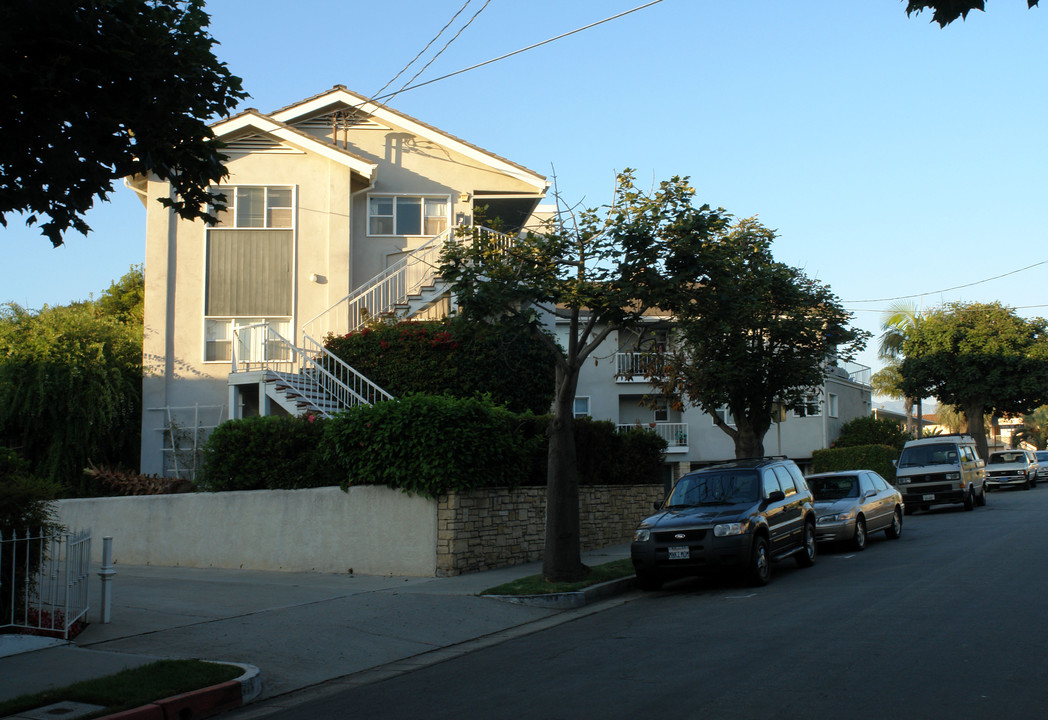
(408,215)
(581,407)
(725,415)
(832,405)
(814,407)
(661,411)
(256,207)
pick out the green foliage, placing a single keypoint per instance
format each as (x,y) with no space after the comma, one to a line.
(266,453)
(872,431)
(85,104)
(946,11)
(981,357)
(609,457)
(859,457)
(748,317)
(124,301)
(429,445)
(70,388)
(504,360)
(1035,428)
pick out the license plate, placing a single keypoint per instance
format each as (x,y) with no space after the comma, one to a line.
(679,553)
(929,497)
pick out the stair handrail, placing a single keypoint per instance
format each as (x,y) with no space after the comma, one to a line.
(391,287)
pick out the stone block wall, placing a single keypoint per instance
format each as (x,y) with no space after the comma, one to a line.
(499,527)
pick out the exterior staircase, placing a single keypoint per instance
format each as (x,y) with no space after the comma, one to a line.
(308,379)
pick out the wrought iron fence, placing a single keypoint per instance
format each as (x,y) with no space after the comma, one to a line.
(44,581)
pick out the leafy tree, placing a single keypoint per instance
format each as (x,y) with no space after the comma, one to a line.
(981,357)
(595,275)
(951,418)
(97,90)
(752,335)
(946,11)
(71,381)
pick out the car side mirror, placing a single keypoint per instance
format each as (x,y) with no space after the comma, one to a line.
(776,496)
(895,464)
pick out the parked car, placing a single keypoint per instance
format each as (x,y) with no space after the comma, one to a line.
(849,505)
(941,469)
(738,516)
(1014,468)
(1042,464)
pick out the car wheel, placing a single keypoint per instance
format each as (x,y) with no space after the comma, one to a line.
(859,541)
(1027,485)
(895,529)
(806,557)
(969,500)
(648,581)
(909,510)
(980,499)
(759,571)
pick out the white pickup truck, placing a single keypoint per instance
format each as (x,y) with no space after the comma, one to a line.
(1011,467)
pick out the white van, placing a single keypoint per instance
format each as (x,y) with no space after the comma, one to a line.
(941,469)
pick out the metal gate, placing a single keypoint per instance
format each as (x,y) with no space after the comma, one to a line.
(44,581)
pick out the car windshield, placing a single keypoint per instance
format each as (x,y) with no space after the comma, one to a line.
(837,487)
(715,488)
(1042,456)
(999,458)
(935,454)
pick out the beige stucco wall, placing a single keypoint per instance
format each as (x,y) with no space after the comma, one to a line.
(371,530)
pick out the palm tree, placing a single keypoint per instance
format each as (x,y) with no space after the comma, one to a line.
(1035,429)
(898,323)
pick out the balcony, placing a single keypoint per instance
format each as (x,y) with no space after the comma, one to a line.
(631,367)
(675,434)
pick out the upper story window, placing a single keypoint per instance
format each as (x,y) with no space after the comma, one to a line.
(725,415)
(832,406)
(813,409)
(256,207)
(581,407)
(407,215)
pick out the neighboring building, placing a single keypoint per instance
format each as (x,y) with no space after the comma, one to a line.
(613,387)
(338,208)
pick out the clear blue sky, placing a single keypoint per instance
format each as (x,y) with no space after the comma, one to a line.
(894,158)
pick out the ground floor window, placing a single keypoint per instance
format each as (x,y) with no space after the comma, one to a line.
(253,344)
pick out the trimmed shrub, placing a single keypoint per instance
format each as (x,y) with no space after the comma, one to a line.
(859,457)
(869,430)
(273,452)
(505,361)
(429,445)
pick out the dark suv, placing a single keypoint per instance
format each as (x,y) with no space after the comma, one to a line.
(738,516)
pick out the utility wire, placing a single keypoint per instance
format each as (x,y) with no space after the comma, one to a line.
(517,52)
(949,289)
(430,43)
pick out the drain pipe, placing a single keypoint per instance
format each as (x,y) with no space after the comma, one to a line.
(106,574)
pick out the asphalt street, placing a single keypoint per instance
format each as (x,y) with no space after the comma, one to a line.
(947,622)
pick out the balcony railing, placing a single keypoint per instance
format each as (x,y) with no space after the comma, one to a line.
(675,434)
(633,366)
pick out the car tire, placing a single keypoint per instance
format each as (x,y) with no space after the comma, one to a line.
(648,581)
(980,499)
(894,530)
(859,539)
(969,499)
(806,557)
(758,573)
(908,510)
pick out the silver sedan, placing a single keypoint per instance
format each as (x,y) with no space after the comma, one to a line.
(849,505)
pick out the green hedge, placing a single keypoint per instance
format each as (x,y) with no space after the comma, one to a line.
(260,453)
(869,430)
(505,361)
(859,457)
(423,444)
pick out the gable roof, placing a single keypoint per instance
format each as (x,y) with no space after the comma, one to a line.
(339,97)
(242,124)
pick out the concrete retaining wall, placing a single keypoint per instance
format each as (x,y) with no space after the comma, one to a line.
(371,530)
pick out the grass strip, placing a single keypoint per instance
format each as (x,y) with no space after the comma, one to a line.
(536,585)
(130,688)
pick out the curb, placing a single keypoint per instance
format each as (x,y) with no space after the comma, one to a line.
(201,703)
(568,600)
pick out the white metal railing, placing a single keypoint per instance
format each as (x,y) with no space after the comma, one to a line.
(383,293)
(44,576)
(675,434)
(323,379)
(634,365)
(857,372)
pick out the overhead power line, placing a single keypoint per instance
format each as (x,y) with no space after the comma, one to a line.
(524,49)
(949,289)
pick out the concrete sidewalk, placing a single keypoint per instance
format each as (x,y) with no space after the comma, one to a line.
(298,629)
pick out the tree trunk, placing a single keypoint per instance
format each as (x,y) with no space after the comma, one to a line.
(973,414)
(749,442)
(562,559)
